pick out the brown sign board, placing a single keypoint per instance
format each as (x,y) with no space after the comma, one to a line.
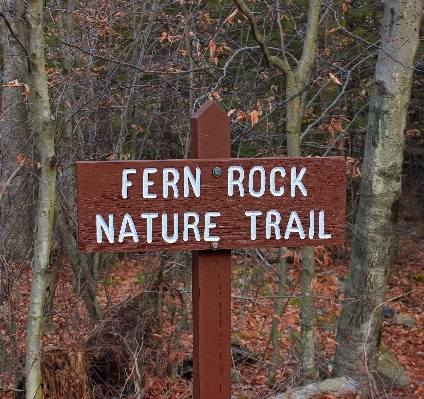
(213,203)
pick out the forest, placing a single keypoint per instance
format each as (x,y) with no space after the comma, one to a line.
(113,80)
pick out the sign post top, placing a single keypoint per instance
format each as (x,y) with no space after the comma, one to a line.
(210,132)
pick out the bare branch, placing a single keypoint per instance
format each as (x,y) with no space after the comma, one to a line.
(308,53)
(9,26)
(324,114)
(6,187)
(270,60)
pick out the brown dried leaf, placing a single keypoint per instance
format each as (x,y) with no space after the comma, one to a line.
(231,16)
(334,79)
(16,83)
(163,36)
(254,116)
(212,48)
(241,116)
(216,96)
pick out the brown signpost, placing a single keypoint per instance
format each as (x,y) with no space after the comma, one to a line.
(210,204)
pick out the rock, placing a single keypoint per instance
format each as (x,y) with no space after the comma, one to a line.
(389,369)
(389,312)
(337,387)
(342,286)
(404,320)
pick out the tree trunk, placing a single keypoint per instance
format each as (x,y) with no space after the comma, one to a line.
(43,128)
(16,235)
(56,267)
(309,373)
(282,276)
(361,320)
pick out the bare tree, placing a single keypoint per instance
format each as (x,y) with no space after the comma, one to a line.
(296,81)
(361,320)
(43,127)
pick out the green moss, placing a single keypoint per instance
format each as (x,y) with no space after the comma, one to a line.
(142,277)
(241,335)
(111,281)
(294,301)
(418,277)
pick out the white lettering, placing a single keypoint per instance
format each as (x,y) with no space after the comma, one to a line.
(235,182)
(253,215)
(311,224)
(321,229)
(261,191)
(147,182)
(124,233)
(273,224)
(125,182)
(192,226)
(296,181)
(165,236)
(149,228)
(209,225)
(108,229)
(274,192)
(290,229)
(170,183)
(195,182)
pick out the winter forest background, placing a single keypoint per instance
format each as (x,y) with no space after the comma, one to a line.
(110,80)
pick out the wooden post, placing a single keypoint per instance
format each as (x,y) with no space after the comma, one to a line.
(211,138)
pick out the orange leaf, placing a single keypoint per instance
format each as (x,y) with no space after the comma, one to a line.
(254,116)
(241,116)
(163,36)
(296,106)
(231,16)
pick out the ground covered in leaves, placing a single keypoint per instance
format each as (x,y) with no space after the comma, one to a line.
(144,368)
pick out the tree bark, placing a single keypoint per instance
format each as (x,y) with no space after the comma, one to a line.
(282,276)
(361,319)
(43,128)
(16,235)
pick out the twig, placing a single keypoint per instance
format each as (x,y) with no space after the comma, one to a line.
(9,26)
(324,114)
(6,187)
(270,60)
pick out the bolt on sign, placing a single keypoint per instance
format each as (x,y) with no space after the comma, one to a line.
(210,204)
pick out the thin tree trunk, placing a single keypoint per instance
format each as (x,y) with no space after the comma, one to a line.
(361,319)
(272,372)
(43,128)
(295,82)
(16,220)
(294,123)
(56,266)
(307,313)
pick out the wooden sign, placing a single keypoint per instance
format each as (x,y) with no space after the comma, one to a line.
(210,203)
